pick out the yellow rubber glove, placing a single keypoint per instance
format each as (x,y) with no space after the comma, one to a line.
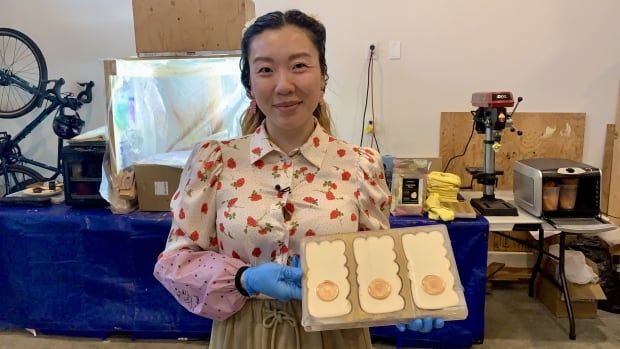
(444,177)
(435,210)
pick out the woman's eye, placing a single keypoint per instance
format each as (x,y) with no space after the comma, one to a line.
(264,70)
(299,66)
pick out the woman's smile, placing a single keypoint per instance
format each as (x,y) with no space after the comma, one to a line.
(287,107)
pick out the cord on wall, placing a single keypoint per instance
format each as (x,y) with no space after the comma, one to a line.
(371,126)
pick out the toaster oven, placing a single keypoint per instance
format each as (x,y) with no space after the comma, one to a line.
(564,192)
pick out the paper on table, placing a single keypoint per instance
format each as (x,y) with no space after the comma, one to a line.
(98,134)
(56,199)
(546,233)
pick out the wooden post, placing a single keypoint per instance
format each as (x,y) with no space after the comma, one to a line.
(109,71)
(610,137)
(614,185)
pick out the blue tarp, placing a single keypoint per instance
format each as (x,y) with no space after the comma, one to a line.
(88,272)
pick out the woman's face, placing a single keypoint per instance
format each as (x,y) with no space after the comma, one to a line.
(285,78)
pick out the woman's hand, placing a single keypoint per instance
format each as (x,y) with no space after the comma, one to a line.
(423,325)
(274,280)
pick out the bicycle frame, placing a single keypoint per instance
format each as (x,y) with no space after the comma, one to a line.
(7,146)
(8,78)
(25,132)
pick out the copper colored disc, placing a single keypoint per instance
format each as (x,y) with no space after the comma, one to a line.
(433,285)
(379,289)
(327,291)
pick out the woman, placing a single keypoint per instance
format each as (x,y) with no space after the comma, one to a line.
(243,205)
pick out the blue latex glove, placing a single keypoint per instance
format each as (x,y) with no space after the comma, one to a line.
(295,262)
(274,280)
(423,325)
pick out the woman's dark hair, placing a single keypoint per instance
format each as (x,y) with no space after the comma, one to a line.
(276,20)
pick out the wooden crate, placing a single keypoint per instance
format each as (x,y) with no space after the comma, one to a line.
(189,27)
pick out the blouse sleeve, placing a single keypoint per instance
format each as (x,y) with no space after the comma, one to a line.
(191,267)
(374,196)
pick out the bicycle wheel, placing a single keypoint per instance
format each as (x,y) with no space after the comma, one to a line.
(20,59)
(19,178)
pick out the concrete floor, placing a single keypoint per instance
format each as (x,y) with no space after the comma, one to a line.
(513,320)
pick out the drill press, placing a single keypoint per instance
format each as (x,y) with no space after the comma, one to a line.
(490,119)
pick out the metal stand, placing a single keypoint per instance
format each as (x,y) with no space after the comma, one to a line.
(489,205)
(491,118)
(567,302)
(493,207)
(562,285)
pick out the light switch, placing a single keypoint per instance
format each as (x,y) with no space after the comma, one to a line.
(394,50)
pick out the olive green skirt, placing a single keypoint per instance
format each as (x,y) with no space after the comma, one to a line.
(268,324)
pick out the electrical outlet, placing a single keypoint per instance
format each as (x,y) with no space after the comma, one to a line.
(375,51)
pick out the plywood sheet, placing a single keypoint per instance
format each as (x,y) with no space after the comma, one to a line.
(190,25)
(109,71)
(614,185)
(544,135)
(610,137)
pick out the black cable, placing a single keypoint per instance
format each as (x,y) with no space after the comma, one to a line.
(473,126)
(471,184)
(367,89)
(372,105)
(376,141)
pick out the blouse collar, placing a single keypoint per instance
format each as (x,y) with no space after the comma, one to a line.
(314,149)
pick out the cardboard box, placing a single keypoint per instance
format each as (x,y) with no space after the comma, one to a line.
(189,27)
(156,184)
(583,297)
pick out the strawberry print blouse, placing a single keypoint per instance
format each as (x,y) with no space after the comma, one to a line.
(246,202)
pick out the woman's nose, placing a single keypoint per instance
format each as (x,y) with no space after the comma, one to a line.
(284,84)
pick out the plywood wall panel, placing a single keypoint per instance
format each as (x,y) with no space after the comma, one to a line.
(614,184)
(557,135)
(608,153)
(190,25)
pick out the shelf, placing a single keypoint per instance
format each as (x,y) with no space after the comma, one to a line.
(91,196)
(85,179)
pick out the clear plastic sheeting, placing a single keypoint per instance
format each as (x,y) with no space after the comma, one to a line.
(173,159)
(163,105)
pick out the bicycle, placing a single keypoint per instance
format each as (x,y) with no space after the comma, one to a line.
(24,87)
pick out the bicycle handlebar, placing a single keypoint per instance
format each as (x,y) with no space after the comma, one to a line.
(74,103)
(56,89)
(86,95)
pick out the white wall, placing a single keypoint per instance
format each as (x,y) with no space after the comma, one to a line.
(74,36)
(560,55)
